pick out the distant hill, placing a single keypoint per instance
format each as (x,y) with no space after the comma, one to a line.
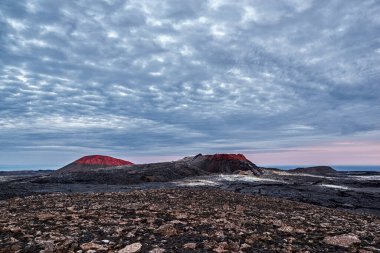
(317,170)
(91,162)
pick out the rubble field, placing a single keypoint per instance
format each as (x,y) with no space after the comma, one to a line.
(180,220)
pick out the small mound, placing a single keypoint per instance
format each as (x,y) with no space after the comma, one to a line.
(317,170)
(91,162)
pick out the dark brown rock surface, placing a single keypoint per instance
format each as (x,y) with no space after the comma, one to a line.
(224,163)
(180,220)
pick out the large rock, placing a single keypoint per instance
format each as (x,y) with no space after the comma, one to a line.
(342,240)
(131,248)
(92,246)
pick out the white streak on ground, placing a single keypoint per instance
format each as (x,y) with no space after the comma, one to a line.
(364,178)
(219,179)
(335,186)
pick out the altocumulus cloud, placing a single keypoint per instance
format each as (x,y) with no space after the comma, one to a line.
(173,77)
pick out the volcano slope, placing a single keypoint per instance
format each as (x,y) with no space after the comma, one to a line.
(224,163)
(180,220)
(232,172)
(91,162)
(77,172)
(104,174)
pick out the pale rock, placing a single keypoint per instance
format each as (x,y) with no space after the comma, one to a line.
(222,247)
(300,231)
(365,251)
(45,216)
(13,229)
(49,247)
(219,234)
(13,240)
(167,230)
(324,225)
(286,229)
(181,216)
(245,246)
(92,245)
(131,248)
(300,218)
(178,222)
(16,247)
(190,245)
(277,223)
(342,240)
(130,234)
(157,250)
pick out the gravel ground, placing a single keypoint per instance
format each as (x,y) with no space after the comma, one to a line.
(180,220)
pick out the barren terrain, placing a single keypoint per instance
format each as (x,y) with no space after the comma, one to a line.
(180,220)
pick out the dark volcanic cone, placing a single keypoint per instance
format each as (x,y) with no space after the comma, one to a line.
(91,162)
(224,163)
(318,170)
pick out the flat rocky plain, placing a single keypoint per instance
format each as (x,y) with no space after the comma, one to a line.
(197,219)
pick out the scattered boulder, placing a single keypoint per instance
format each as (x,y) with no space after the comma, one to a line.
(131,248)
(213,223)
(190,245)
(92,245)
(342,240)
(286,229)
(167,230)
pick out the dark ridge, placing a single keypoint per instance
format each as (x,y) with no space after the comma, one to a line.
(318,170)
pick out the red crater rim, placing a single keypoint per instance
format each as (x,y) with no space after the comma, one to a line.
(238,157)
(102,160)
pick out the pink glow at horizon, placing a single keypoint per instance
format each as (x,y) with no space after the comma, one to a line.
(336,153)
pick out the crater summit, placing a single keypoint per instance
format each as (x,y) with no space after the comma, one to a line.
(224,163)
(90,162)
(102,160)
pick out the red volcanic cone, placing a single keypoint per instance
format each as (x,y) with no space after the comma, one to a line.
(90,162)
(102,160)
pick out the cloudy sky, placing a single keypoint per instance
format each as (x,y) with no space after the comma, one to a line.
(284,82)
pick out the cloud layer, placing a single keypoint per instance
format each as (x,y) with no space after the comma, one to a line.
(180,77)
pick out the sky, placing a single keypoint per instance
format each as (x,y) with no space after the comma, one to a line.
(281,81)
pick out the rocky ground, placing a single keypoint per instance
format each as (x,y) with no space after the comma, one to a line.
(350,191)
(180,220)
